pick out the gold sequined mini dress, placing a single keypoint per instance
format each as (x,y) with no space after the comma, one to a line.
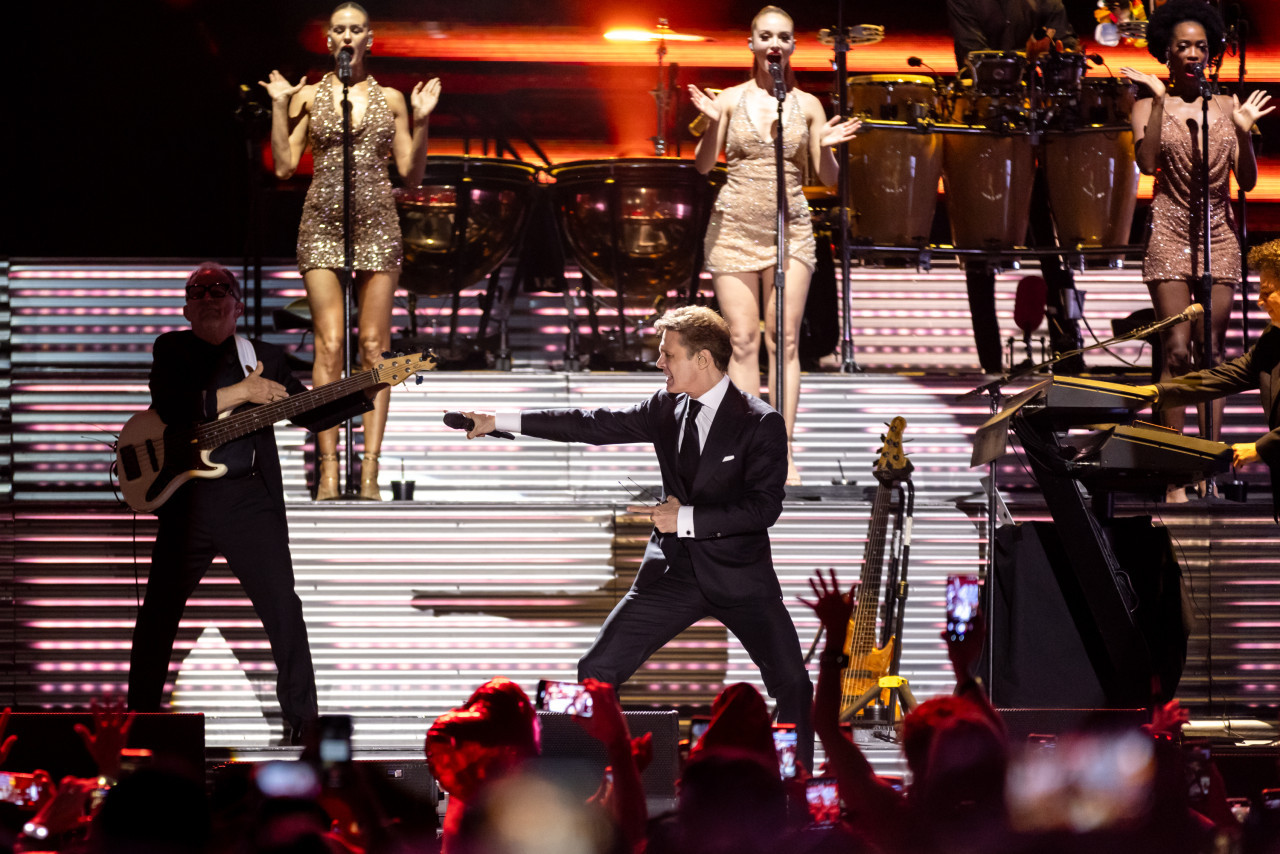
(741,236)
(1175,247)
(375,223)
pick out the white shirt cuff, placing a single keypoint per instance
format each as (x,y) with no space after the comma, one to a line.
(684,522)
(508,421)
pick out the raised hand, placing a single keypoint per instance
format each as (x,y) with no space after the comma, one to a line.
(838,130)
(1246,114)
(111,723)
(279,87)
(606,723)
(7,745)
(1152,82)
(705,102)
(1169,718)
(424,97)
(832,607)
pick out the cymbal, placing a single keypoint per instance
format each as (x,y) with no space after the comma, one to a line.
(661,34)
(858,34)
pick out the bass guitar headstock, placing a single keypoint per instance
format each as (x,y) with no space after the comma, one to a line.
(893,466)
(393,370)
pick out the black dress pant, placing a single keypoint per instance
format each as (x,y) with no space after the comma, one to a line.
(237,519)
(645,620)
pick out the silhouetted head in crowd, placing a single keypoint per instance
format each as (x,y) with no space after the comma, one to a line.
(740,720)
(926,721)
(528,814)
(154,811)
(495,731)
(731,802)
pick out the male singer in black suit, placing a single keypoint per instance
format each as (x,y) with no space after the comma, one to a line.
(723,456)
(1258,368)
(196,375)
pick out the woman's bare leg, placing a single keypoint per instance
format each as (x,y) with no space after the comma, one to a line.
(739,298)
(795,297)
(325,295)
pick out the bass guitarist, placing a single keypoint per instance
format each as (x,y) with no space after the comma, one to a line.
(197,375)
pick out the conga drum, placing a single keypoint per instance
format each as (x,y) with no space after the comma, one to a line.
(893,169)
(461,222)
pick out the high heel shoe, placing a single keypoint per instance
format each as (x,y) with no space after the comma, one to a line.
(369,478)
(327,478)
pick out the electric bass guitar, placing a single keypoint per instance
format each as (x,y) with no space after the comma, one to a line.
(867,662)
(153,460)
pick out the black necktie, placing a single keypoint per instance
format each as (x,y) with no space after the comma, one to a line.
(690,451)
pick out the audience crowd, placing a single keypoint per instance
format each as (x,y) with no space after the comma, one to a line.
(1104,788)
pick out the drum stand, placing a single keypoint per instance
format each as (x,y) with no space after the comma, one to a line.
(840,47)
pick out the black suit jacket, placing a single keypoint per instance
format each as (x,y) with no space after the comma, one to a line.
(1259,368)
(184,385)
(736,496)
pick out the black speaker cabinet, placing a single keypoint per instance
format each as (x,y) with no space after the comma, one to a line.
(1021,723)
(566,746)
(48,740)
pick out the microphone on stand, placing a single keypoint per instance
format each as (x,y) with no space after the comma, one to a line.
(779,87)
(344,65)
(1193,312)
(459,421)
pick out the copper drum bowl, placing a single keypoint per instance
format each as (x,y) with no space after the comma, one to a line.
(1061,73)
(893,170)
(635,224)
(997,72)
(459,225)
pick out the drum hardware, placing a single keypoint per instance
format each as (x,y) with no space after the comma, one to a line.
(635,225)
(858,34)
(664,94)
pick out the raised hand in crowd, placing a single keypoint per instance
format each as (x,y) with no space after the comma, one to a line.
(111,723)
(625,798)
(7,744)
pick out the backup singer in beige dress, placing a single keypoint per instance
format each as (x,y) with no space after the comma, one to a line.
(741,237)
(1167,134)
(383,125)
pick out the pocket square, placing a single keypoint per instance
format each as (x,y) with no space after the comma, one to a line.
(726,459)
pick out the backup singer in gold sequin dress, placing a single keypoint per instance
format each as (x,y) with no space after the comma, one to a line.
(1167,133)
(742,235)
(383,125)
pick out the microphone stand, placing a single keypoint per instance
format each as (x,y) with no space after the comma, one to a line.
(348,275)
(840,47)
(780,268)
(1206,275)
(1240,31)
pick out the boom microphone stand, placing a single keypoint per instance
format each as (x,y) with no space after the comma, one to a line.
(777,395)
(348,261)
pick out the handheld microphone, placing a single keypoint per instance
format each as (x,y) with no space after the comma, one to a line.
(779,87)
(459,421)
(1193,312)
(344,64)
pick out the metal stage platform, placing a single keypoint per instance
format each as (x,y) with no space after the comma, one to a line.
(512,552)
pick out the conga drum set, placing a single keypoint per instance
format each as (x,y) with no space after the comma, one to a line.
(984,135)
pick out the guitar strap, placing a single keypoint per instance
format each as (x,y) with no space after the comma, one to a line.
(244,351)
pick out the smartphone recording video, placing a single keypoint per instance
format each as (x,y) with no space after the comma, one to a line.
(698,727)
(963,592)
(823,798)
(566,698)
(286,779)
(784,744)
(335,739)
(19,789)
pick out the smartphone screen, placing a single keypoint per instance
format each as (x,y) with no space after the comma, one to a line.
(335,739)
(697,727)
(18,789)
(281,779)
(784,744)
(962,603)
(823,798)
(567,698)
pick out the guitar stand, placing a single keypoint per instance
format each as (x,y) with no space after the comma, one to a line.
(900,696)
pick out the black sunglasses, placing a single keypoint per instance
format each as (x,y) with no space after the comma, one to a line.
(214,291)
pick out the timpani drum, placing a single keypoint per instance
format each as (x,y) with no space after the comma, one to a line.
(893,170)
(635,224)
(461,222)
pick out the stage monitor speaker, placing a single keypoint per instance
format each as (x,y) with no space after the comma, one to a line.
(1045,647)
(1021,723)
(48,740)
(565,744)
